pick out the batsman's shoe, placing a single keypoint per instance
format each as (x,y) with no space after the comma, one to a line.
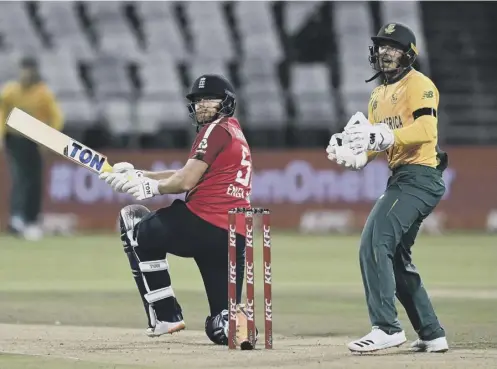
(377,340)
(165,328)
(437,345)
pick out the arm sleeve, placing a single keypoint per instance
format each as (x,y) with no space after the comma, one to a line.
(56,118)
(422,103)
(209,143)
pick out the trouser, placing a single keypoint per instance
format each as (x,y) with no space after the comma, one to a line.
(413,191)
(25,166)
(176,230)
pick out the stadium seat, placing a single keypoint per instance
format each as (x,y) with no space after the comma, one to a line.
(161,29)
(263,103)
(265,109)
(79,112)
(199,66)
(59,69)
(211,35)
(9,64)
(164,123)
(262,93)
(314,103)
(156,114)
(353,30)
(258,29)
(312,94)
(149,10)
(159,76)
(297,14)
(113,29)
(119,115)
(109,77)
(18,33)
(62,25)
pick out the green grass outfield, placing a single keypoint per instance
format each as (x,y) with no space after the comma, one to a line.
(317,291)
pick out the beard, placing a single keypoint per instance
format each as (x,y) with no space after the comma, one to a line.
(205,114)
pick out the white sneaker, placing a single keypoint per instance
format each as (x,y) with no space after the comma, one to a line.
(32,232)
(436,345)
(377,340)
(165,328)
(17,224)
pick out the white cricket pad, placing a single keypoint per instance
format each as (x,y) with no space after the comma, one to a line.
(153,266)
(161,294)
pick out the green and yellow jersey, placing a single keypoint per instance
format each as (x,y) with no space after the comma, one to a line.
(409,107)
(36,100)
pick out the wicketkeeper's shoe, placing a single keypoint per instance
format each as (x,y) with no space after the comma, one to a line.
(165,328)
(377,340)
(437,345)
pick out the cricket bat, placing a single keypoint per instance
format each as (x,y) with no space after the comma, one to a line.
(43,134)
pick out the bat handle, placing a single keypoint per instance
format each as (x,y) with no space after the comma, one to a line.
(106,168)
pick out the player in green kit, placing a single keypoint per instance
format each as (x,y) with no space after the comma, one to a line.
(402,124)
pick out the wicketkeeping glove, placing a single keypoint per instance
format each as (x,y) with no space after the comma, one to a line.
(364,136)
(342,154)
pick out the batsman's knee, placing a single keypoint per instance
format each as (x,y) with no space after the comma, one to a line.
(129,218)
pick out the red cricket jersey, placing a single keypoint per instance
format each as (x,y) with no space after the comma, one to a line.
(227,182)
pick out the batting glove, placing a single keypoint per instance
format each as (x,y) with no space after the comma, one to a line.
(121,174)
(142,188)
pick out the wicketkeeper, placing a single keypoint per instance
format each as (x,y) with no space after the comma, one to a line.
(402,123)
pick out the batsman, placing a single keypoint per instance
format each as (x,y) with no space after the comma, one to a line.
(216,178)
(402,124)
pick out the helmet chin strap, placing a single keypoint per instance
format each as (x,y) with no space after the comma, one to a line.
(388,75)
(393,73)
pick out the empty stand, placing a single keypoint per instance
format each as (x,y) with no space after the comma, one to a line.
(110,78)
(161,28)
(159,76)
(129,63)
(209,29)
(257,29)
(312,94)
(262,94)
(297,14)
(17,30)
(79,112)
(462,64)
(9,64)
(64,28)
(114,32)
(353,31)
(59,69)
(263,101)
(206,65)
